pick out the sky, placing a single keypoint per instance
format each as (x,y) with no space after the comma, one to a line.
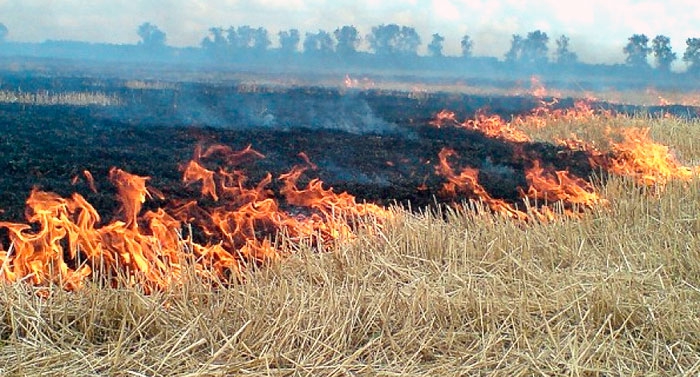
(598,29)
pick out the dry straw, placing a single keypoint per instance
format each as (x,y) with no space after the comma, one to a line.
(457,292)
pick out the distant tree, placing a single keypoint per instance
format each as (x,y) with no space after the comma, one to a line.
(320,43)
(232,38)
(393,39)
(565,56)
(516,47)
(215,41)
(435,45)
(663,54)
(534,48)
(637,50)
(692,55)
(467,45)
(409,41)
(531,50)
(151,36)
(382,39)
(348,40)
(249,39)
(3,32)
(289,41)
(261,39)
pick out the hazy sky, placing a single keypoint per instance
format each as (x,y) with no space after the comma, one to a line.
(598,28)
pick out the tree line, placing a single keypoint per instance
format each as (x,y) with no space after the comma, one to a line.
(393,40)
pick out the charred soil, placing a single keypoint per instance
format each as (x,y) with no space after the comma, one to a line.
(385,155)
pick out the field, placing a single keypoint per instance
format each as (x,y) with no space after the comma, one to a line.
(601,277)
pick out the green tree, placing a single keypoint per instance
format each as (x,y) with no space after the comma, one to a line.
(393,39)
(663,54)
(289,41)
(565,56)
(249,39)
(435,45)
(151,36)
(467,45)
(320,43)
(692,55)
(348,40)
(531,50)
(534,48)
(637,50)
(216,42)
(516,46)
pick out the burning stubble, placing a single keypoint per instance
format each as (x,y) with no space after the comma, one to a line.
(235,224)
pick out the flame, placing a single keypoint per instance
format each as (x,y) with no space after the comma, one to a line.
(547,186)
(230,223)
(67,245)
(353,83)
(467,182)
(648,162)
(537,89)
(543,115)
(637,156)
(560,186)
(492,126)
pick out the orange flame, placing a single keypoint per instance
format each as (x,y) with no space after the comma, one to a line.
(467,182)
(560,186)
(648,162)
(69,246)
(547,186)
(236,224)
(491,126)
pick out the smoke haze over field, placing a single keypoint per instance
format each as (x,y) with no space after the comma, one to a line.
(598,29)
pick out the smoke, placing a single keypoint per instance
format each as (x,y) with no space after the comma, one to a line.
(293,109)
(347,113)
(334,172)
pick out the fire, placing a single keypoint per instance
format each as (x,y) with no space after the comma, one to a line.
(545,114)
(67,245)
(233,223)
(537,89)
(648,162)
(362,83)
(491,126)
(467,182)
(546,187)
(560,186)
(637,156)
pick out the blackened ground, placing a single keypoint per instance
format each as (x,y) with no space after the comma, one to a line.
(47,146)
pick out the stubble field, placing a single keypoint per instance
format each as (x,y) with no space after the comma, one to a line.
(451,288)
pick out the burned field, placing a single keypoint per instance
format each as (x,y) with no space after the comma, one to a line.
(240,164)
(553,240)
(379,146)
(47,147)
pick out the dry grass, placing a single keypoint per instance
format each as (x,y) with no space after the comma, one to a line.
(458,293)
